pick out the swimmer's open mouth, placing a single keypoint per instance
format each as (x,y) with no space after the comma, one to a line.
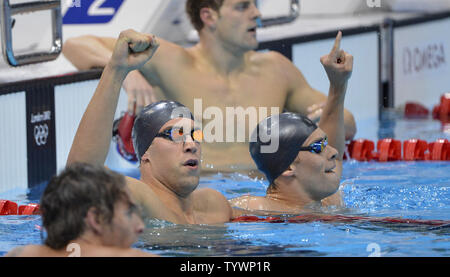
(252,30)
(191,163)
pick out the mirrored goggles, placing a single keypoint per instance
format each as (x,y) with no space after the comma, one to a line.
(177,134)
(316,147)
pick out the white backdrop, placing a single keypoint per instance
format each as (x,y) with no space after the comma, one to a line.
(422,62)
(363,90)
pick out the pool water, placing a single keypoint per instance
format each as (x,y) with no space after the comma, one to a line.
(418,190)
(415,190)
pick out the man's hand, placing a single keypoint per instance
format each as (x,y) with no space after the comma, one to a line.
(338,64)
(139,91)
(132,50)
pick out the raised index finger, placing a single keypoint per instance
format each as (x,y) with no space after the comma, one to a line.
(337,44)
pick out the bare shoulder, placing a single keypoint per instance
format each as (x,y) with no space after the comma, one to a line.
(167,54)
(171,47)
(277,65)
(146,197)
(133,183)
(249,202)
(269,58)
(94,250)
(136,187)
(31,251)
(16,252)
(140,190)
(240,202)
(169,57)
(135,253)
(210,196)
(207,199)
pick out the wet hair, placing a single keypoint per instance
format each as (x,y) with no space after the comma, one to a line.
(69,196)
(148,122)
(293,130)
(193,8)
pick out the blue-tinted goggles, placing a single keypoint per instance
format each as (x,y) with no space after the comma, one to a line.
(316,147)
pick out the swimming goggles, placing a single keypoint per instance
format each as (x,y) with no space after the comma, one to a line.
(176,134)
(316,147)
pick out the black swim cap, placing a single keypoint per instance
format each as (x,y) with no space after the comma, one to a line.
(293,130)
(151,119)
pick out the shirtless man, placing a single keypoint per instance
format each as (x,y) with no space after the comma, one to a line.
(222,70)
(87,211)
(307,167)
(169,158)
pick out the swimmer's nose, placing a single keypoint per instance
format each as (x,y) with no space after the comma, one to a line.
(140,227)
(189,145)
(333,152)
(256,12)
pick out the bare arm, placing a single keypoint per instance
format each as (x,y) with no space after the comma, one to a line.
(338,66)
(87,52)
(305,100)
(93,136)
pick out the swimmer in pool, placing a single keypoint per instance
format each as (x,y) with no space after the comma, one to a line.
(87,211)
(307,166)
(223,70)
(169,153)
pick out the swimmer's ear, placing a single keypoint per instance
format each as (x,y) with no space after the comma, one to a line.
(289,172)
(93,220)
(209,17)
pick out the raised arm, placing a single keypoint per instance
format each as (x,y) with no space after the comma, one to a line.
(93,136)
(303,99)
(338,66)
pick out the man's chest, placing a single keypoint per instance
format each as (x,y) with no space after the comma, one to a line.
(242,90)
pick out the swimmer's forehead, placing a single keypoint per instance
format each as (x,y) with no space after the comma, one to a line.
(177,122)
(234,2)
(315,136)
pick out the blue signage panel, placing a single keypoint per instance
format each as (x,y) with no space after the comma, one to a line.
(91,11)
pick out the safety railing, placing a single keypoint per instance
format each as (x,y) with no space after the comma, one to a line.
(293,14)
(7,11)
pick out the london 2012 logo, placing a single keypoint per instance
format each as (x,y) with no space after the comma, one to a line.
(41,134)
(91,11)
(40,128)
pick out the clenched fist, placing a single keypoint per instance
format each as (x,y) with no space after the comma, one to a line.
(133,50)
